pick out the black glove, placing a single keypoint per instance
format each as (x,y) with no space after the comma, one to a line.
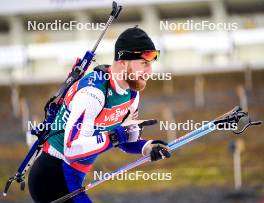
(157,149)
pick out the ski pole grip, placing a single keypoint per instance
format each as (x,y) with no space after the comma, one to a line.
(116,9)
(148,122)
(256,123)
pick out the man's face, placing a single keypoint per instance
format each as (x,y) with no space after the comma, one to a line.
(138,72)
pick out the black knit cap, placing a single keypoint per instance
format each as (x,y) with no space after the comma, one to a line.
(133,39)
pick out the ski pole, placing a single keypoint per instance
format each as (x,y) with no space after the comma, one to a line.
(172,147)
(232,116)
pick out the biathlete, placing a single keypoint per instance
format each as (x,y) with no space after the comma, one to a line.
(99,113)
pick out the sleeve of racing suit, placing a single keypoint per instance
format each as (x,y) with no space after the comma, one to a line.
(138,146)
(79,141)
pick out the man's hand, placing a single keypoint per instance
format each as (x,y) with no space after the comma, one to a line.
(157,149)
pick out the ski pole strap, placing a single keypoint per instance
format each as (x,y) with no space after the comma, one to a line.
(234,116)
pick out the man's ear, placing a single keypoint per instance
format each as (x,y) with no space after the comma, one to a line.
(123,63)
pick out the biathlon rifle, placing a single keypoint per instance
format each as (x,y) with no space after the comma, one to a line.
(55,102)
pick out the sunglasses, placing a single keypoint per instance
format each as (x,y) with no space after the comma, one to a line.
(148,55)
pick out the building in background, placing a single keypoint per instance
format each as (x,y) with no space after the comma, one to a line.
(43,56)
(213,70)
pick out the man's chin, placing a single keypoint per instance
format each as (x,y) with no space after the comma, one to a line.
(138,89)
(137,85)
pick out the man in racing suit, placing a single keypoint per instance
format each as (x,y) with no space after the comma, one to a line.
(98,113)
